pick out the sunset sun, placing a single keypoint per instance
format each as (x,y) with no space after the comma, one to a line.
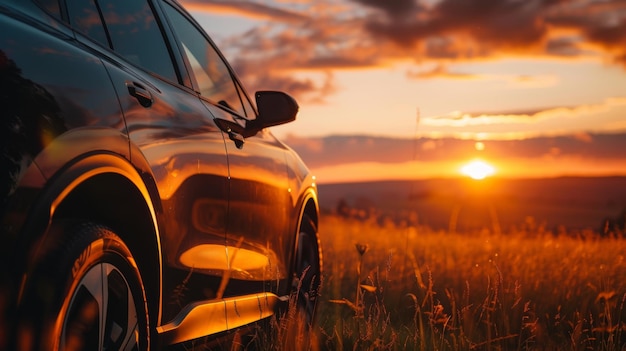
(478,169)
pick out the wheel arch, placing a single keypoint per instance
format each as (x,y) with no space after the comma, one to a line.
(310,208)
(306,283)
(104,188)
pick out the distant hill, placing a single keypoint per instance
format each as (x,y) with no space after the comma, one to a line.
(497,204)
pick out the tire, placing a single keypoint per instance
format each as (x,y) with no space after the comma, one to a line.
(307,276)
(88,295)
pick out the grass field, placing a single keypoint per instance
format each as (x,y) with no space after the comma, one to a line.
(412,288)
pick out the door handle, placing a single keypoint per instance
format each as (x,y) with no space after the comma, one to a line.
(227,127)
(140,93)
(237,138)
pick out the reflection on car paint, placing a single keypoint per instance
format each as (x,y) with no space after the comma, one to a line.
(241,263)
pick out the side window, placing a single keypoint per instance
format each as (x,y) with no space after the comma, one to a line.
(209,70)
(85,18)
(51,6)
(128,27)
(136,35)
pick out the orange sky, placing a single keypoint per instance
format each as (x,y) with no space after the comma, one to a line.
(405,88)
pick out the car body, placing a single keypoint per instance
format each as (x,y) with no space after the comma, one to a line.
(145,202)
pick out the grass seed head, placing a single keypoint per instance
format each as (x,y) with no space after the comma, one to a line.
(362,248)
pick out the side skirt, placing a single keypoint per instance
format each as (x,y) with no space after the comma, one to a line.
(214,316)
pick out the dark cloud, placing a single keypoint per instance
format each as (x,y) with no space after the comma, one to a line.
(265,58)
(394,8)
(492,22)
(601,23)
(283,83)
(324,44)
(526,112)
(334,62)
(480,28)
(260,76)
(565,46)
(341,150)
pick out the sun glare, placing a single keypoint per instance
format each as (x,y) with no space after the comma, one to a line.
(478,169)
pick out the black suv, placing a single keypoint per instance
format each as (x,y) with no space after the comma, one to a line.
(144,202)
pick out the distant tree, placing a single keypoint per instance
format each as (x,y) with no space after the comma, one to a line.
(614,226)
(343,209)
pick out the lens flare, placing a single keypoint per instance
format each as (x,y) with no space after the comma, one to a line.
(478,169)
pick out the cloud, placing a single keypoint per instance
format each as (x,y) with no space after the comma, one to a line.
(527,115)
(487,24)
(483,28)
(584,137)
(564,47)
(441,71)
(534,80)
(394,8)
(267,56)
(370,31)
(325,35)
(262,77)
(331,151)
(244,8)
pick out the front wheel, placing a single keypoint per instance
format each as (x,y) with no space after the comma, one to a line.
(90,295)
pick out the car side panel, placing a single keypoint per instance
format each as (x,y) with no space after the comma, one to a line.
(260,209)
(186,154)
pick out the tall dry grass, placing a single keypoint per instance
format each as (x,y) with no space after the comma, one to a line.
(411,288)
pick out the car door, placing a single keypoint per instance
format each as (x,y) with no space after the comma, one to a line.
(257,235)
(174,133)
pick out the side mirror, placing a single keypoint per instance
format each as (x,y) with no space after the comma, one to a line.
(275,108)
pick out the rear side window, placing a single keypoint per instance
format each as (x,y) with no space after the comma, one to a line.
(52,6)
(85,17)
(128,27)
